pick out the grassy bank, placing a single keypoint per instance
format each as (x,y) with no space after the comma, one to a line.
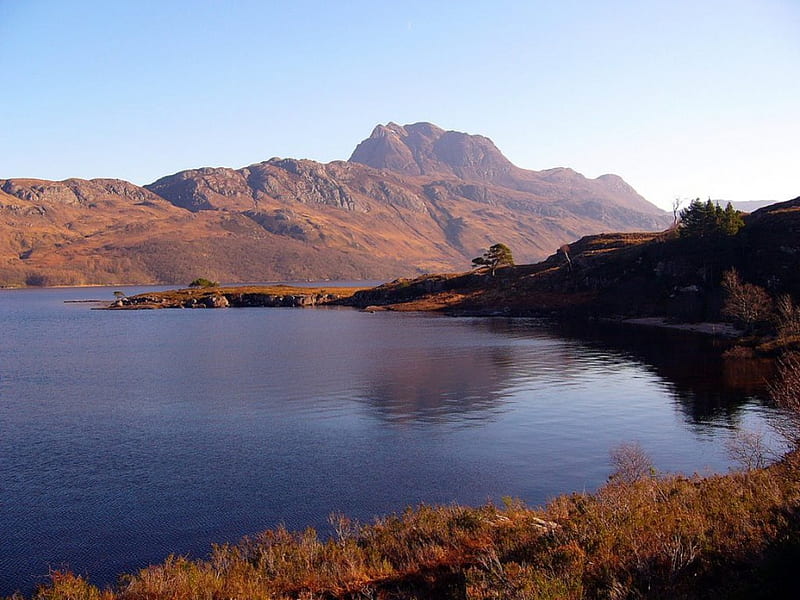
(639,536)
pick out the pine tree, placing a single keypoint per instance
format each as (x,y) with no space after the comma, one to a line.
(497,255)
(731,220)
(706,219)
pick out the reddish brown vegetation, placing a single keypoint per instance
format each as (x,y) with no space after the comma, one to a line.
(644,538)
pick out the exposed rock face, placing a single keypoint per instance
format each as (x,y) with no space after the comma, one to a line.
(217,301)
(424,149)
(204,189)
(411,199)
(288,180)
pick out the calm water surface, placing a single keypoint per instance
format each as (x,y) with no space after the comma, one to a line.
(127,436)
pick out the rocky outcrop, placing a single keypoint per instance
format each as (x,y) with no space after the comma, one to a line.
(224,297)
(424,149)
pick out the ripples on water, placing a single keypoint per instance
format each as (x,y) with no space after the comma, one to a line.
(126,436)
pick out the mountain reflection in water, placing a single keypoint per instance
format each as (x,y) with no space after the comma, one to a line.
(470,383)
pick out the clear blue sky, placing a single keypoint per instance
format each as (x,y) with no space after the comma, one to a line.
(680,98)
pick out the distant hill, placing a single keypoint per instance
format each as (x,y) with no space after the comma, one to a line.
(748,206)
(410,200)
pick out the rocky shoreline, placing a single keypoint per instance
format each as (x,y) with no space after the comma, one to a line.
(224,297)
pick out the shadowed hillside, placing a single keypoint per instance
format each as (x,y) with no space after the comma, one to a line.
(621,274)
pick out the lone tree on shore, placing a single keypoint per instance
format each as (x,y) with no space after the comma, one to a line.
(498,255)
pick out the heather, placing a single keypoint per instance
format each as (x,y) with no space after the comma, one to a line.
(642,535)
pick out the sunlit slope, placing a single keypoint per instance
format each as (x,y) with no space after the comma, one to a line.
(286,219)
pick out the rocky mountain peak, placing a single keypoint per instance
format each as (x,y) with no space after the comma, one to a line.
(385,149)
(425,149)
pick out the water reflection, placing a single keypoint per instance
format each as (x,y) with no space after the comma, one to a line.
(472,379)
(425,386)
(706,387)
(475,373)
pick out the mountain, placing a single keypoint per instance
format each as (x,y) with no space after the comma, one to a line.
(411,199)
(424,149)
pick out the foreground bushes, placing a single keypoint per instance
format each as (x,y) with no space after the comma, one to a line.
(653,537)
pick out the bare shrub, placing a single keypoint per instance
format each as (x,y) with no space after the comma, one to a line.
(786,394)
(744,302)
(344,527)
(631,463)
(787,317)
(749,449)
(738,352)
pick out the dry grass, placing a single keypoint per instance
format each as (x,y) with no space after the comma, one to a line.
(645,537)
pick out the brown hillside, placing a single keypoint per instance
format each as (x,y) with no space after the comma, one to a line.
(288,219)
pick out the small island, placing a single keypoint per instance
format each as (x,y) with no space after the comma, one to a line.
(214,296)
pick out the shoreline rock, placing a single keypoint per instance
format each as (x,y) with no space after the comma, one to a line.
(234,297)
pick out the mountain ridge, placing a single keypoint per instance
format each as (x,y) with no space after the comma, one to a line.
(425,149)
(287,218)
